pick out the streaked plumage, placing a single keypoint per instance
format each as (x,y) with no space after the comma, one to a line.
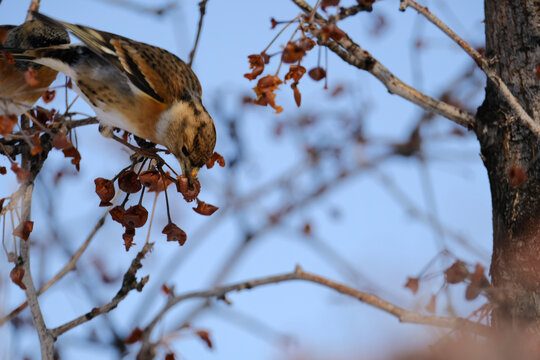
(134,86)
(16,94)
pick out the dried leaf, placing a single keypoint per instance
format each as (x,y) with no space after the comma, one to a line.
(265,92)
(456,273)
(128,236)
(24,229)
(36,145)
(117,214)
(3,170)
(23,175)
(204,336)
(327,3)
(317,73)
(150,178)
(7,123)
(135,216)
(478,282)
(215,157)
(256,62)
(412,284)
(292,53)
(16,275)
(189,193)
(31,77)
(205,209)
(72,152)
(105,191)
(297,94)
(472,292)
(517,176)
(48,96)
(295,73)
(136,335)
(174,233)
(129,182)
(165,289)
(61,141)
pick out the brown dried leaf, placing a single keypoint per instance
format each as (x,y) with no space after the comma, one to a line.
(265,92)
(128,236)
(456,273)
(24,229)
(129,182)
(61,141)
(36,145)
(135,216)
(105,191)
(412,284)
(189,193)
(16,275)
(117,214)
(317,73)
(215,157)
(136,335)
(205,209)
(295,73)
(256,62)
(72,152)
(48,96)
(23,175)
(174,233)
(7,123)
(204,336)
(327,3)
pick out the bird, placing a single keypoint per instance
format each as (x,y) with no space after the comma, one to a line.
(134,86)
(17,94)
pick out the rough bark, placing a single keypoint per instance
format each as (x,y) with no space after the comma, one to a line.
(511,154)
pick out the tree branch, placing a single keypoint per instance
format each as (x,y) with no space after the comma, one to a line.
(34,6)
(353,54)
(481,61)
(129,283)
(202,10)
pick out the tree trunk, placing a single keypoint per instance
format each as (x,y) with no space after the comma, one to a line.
(511,154)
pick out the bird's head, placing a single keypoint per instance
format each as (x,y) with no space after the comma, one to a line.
(188,131)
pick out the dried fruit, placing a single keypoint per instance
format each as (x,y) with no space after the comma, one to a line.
(16,275)
(135,216)
(456,273)
(174,233)
(265,92)
(117,214)
(205,209)
(412,284)
(24,229)
(190,193)
(136,335)
(48,96)
(105,191)
(256,62)
(129,182)
(317,73)
(215,157)
(7,123)
(292,53)
(72,152)
(295,73)
(204,336)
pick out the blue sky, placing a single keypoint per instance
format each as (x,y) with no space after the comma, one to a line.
(374,232)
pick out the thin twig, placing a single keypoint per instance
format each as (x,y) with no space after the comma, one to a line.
(129,283)
(401,314)
(202,10)
(481,61)
(34,6)
(70,265)
(353,54)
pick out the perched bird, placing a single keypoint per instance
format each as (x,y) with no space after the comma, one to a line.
(17,92)
(137,87)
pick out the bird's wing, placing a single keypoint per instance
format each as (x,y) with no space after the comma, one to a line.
(155,71)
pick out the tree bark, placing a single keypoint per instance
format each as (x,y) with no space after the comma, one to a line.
(511,154)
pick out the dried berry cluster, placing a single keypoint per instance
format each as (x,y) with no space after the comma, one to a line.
(152,180)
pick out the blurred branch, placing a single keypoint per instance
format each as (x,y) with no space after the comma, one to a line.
(129,283)
(34,6)
(482,62)
(158,10)
(71,265)
(401,314)
(202,10)
(353,10)
(353,54)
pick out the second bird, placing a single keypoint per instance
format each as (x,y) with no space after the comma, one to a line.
(137,87)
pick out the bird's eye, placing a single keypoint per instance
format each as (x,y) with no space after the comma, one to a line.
(184,150)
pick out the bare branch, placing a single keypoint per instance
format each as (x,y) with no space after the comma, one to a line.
(129,283)
(353,54)
(401,314)
(482,62)
(202,10)
(34,6)
(70,265)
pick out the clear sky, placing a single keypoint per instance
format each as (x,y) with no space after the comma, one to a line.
(374,232)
